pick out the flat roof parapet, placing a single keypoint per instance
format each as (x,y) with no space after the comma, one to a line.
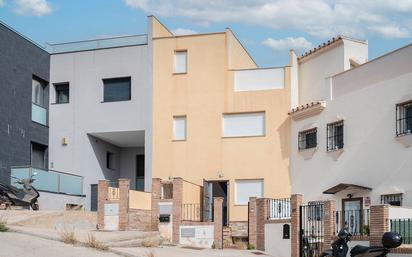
(95,44)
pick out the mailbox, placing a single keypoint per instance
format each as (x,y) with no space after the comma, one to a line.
(164,218)
(286,231)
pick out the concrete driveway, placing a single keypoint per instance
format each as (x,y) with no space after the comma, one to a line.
(19,245)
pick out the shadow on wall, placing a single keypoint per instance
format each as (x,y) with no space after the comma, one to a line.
(101,149)
(284,138)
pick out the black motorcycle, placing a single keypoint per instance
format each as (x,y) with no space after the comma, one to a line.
(340,246)
(26,196)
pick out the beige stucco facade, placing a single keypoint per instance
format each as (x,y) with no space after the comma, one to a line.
(203,95)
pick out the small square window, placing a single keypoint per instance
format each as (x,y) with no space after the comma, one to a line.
(110,161)
(404,118)
(179,128)
(335,136)
(308,139)
(181,61)
(392,199)
(117,89)
(62,93)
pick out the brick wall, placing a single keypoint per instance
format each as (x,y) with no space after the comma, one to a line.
(139,220)
(156,195)
(103,187)
(177,208)
(329,223)
(379,223)
(295,203)
(218,221)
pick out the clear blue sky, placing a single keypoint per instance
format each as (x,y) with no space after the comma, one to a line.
(267,28)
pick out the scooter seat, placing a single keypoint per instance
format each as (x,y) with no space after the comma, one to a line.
(359,249)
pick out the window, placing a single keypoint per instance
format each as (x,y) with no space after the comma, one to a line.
(39,95)
(181,61)
(335,136)
(308,139)
(40,101)
(110,161)
(244,124)
(38,155)
(404,118)
(62,93)
(392,199)
(179,127)
(247,188)
(117,89)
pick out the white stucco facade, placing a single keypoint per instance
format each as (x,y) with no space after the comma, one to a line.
(92,127)
(365,98)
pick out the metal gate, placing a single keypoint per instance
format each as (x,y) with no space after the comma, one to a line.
(312,218)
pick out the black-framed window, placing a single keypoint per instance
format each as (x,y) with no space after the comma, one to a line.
(392,199)
(38,155)
(308,139)
(117,89)
(40,92)
(110,161)
(335,135)
(404,118)
(62,93)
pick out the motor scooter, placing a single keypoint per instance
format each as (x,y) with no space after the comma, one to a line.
(26,196)
(340,246)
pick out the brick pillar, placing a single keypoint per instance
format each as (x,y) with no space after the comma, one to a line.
(124,187)
(330,221)
(379,223)
(156,194)
(295,203)
(261,218)
(218,221)
(102,191)
(177,208)
(252,232)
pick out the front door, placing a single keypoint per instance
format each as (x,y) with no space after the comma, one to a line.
(213,189)
(352,215)
(140,172)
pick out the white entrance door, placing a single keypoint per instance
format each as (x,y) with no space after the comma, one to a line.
(353,215)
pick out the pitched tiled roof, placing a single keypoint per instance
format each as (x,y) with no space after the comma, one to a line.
(328,43)
(304,107)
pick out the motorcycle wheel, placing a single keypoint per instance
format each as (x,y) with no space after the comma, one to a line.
(34,206)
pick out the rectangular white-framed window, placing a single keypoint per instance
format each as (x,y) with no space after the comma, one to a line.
(180,61)
(244,124)
(246,188)
(179,128)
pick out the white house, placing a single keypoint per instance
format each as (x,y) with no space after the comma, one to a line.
(351,131)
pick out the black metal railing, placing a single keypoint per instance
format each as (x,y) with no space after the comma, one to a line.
(191,212)
(355,221)
(404,118)
(392,199)
(403,227)
(279,209)
(335,136)
(308,139)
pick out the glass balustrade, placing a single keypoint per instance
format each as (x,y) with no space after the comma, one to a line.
(48,180)
(38,114)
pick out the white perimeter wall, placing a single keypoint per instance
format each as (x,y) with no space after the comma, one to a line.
(372,155)
(275,245)
(87,114)
(57,202)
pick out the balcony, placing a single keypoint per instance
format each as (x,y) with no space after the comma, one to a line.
(49,180)
(39,114)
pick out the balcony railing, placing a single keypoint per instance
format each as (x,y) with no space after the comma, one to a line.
(97,44)
(191,212)
(39,114)
(49,180)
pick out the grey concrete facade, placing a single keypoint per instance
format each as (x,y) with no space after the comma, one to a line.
(20,61)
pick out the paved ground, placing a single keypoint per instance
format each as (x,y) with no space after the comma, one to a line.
(182,252)
(19,245)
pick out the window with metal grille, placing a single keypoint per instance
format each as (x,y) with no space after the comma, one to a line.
(308,139)
(392,199)
(335,136)
(404,118)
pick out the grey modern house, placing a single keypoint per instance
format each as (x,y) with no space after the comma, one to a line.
(24,101)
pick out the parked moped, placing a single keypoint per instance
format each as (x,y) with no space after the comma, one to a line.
(26,196)
(340,246)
